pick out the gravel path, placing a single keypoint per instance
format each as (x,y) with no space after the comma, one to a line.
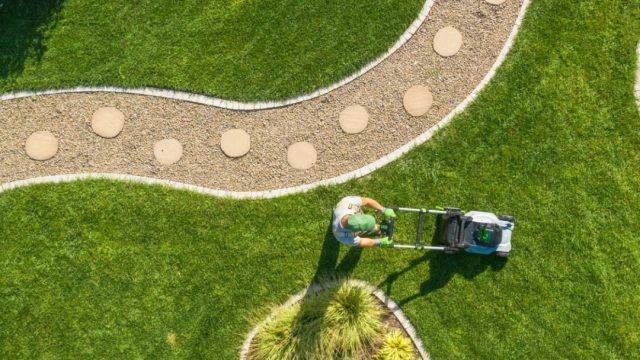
(484,28)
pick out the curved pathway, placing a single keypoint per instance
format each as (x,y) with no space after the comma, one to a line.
(264,171)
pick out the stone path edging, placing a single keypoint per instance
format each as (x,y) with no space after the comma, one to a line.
(395,309)
(365,170)
(237,105)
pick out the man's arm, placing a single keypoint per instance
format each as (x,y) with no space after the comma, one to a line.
(366,242)
(369,202)
(382,242)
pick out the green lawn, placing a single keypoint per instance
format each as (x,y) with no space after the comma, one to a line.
(234,49)
(102,269)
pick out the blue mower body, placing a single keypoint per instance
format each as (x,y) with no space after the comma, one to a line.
(499,241)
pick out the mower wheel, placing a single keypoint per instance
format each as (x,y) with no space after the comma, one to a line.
(508,218)
(503,254)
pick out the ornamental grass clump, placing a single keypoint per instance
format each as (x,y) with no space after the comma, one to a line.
(340,322)
(396,346)
(351,321)
(277,337)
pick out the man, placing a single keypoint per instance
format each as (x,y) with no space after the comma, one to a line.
(351,227)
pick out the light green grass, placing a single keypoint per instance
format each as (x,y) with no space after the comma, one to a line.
(102,269)
(234,49)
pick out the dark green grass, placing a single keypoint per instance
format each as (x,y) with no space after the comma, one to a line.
(102,269)
(235,49)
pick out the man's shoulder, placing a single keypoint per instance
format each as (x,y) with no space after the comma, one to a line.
(356,200)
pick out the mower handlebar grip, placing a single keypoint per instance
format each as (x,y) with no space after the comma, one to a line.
(453,211)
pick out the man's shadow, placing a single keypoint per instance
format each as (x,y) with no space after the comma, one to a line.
(442,267)
(328,271)
(328,267)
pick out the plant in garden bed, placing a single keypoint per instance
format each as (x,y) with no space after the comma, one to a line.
(340,322)
(396,346)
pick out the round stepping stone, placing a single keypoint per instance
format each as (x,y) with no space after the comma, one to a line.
(41,145)
(168,151)
(354,119)
(447,41)
(235,143)
(495,2)
(417,100)
(107,122)
(302,155)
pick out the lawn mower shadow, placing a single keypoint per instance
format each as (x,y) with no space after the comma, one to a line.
(442,267)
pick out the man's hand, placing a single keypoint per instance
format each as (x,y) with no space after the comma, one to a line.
(384,242)
(389,213)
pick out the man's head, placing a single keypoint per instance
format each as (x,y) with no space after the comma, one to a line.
(359,222)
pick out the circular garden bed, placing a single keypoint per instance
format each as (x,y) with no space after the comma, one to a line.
(343,319)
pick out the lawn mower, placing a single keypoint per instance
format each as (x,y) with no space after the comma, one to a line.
(474,231)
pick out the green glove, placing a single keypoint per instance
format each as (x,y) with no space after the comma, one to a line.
(384,242)
(389,213)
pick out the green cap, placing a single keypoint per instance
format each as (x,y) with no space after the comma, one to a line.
(359,222)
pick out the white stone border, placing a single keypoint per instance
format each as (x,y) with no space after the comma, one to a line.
(395,309)
(237,105)
(637,87)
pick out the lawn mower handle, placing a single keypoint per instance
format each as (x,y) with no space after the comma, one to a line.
(446,211)
(391,221)
(418,245)
(420,220)
(438,248)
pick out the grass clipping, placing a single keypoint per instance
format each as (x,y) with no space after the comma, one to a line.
(336,323)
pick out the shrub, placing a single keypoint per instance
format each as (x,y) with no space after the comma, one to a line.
(339,322)
(396,346)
